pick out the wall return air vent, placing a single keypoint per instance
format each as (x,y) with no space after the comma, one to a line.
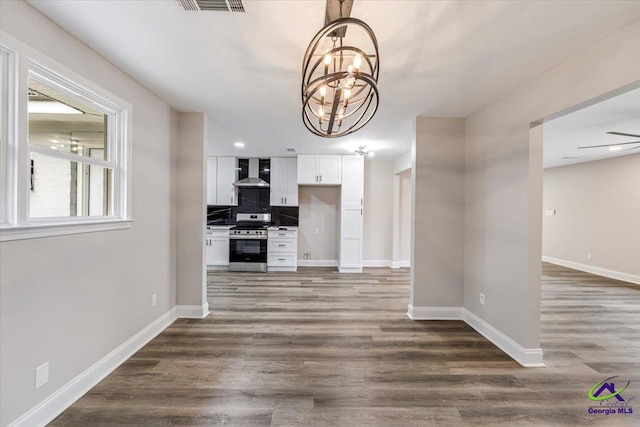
(212,5)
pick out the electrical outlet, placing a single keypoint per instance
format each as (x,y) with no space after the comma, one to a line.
(154,300)
(589,256)
(307,255)
(42,375)
(317,231)
(481,299)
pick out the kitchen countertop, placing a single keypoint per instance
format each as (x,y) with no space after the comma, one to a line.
(219,227)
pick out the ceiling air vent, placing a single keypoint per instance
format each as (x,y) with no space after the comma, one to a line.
(213,5)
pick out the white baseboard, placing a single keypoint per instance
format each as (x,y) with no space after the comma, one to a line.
(61,399)
(376,263)
(435,313)
(276,269)
(192,311)
(625,277)
(317,263)
(349,270)
(401,264)
(527,357)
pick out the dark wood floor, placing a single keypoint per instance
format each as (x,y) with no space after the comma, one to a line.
(322,349)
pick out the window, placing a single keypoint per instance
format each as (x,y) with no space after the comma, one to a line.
(67,168)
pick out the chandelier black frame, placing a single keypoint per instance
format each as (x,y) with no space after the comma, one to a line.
(340,96)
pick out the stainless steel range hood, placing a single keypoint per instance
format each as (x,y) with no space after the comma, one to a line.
(254,180)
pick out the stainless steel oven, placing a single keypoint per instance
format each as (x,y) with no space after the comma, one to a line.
(248,243)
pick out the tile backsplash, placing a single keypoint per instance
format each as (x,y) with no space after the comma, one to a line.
(253,200)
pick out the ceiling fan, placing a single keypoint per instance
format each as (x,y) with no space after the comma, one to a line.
(617,147)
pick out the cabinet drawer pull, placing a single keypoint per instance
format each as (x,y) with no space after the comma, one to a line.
(281,259)
(282,246)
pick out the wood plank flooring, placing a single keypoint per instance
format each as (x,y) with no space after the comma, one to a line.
(318,348)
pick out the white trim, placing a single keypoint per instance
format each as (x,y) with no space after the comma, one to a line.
(212,267)
(527,357)
(47,230)
(9,137)
(317,263)
(61,399)
(376,263)
(435,313)
(618,275)
(275,269)
(350,270)
(401,264)
(72,157)
(192,311)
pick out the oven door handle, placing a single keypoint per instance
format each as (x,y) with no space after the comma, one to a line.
(240,237)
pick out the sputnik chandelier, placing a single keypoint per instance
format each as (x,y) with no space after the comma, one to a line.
(339,78)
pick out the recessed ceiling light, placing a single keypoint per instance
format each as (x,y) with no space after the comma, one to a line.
(239,144)
(615,148)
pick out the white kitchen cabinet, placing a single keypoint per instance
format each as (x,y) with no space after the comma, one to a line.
(319,169)
(212,180)
(217,247)
(282,250)
(221,174)
(227,174)
(351,215)
(284,181)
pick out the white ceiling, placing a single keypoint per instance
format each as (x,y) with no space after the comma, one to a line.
(438,58)
(589,126)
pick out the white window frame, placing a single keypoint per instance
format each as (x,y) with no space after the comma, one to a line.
(24,64)
(8,101)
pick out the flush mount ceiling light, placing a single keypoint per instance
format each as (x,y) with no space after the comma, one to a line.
(362,151)
(339,77)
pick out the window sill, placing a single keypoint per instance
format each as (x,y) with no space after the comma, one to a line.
(49,230)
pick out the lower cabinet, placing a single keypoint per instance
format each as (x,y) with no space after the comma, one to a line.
(217,246)
(282,250)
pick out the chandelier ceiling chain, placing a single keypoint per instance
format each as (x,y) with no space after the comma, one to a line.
(340,75)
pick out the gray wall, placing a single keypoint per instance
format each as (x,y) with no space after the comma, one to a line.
(71,300)
(191,206)
(504,181)
(437,259)
(378,209)
(404,226)
(597,211)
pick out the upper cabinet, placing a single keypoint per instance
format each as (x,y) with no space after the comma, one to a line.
(284,183)
(319,169)
(221,174)
(212,173)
